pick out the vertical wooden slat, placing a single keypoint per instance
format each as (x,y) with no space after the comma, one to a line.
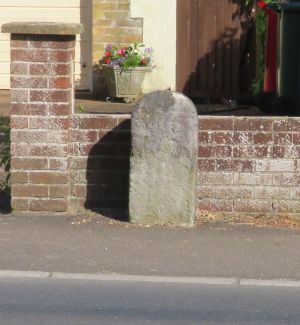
(235,57)
(219,47)
(208,53)
(212,15)
(193,53)
(183,34)
(202,45)
(229,31)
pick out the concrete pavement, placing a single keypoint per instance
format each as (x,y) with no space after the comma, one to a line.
(93,244)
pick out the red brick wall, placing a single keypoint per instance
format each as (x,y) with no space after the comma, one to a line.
(100,161)
(246,165)
(41,106)
(249,165)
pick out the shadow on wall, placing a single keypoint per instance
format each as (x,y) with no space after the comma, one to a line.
(107,173)
(100,90)
(5,201)
(223,72)
(225,67)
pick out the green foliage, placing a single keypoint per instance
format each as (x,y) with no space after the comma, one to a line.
(261,33)
(257,86)
(132,61)
(81,109)
(5,157)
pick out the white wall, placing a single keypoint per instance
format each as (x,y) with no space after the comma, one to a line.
(68,11)
(159,32)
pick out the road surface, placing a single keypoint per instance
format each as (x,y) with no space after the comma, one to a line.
(88,302)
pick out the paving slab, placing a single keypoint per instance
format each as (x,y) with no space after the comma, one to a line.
(91,243)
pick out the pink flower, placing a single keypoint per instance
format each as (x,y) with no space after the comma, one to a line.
(121,52)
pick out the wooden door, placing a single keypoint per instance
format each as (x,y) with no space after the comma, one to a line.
(215,49)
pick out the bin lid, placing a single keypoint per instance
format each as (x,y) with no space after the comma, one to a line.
(292,5)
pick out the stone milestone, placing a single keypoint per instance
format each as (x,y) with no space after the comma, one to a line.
(163,165)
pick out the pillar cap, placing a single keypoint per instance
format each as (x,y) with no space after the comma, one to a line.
(48,28)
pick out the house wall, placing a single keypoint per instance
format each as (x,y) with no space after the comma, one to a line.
(123,22)
(159,32)
(120,22)
(112,24)
(68,11)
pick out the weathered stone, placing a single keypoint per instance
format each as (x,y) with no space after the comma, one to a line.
(163,166)
(42,28)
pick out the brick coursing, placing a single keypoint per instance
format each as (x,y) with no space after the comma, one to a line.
(41,104)
(249,165)
(112,24)
(240,171)
(100,161)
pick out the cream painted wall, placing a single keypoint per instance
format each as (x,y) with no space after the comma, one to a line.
(159,32)
(68,11)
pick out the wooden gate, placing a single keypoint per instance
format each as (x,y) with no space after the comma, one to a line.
(215,49)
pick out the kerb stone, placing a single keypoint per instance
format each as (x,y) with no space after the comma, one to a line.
(163,165)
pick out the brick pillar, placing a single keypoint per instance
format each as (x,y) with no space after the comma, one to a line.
(42,97)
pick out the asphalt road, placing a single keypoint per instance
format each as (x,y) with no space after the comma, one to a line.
(66,302)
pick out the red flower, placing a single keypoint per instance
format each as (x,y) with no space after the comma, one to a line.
(261,4)
(143,62)
(107,61)
(108,53)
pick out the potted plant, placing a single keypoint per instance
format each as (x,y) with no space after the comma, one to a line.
(124,70)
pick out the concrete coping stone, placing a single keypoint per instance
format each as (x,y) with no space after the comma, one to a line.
(47,28)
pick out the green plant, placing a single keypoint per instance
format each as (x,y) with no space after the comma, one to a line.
(135,55)
(81,109)
(257,86)
(5,157)
(261,33)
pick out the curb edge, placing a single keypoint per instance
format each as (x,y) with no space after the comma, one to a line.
(13,274)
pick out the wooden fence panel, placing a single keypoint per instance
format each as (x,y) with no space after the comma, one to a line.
(213,58)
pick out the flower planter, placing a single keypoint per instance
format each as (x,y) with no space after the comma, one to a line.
(125,84)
